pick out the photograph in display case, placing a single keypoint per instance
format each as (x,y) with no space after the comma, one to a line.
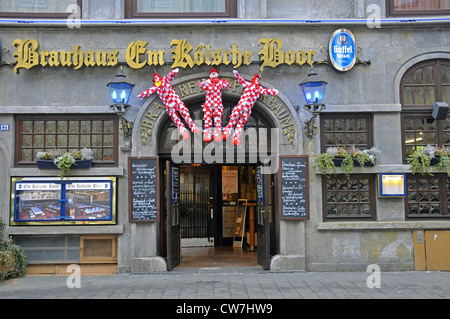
(69,201)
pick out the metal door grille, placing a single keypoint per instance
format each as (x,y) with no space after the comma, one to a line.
(194,214)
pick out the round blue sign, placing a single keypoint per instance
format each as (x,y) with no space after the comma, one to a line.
(342,50)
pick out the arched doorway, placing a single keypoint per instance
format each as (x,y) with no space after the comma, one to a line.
(216,212)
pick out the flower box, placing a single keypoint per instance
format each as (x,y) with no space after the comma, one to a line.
(50,164)
(338,162)
(434,161)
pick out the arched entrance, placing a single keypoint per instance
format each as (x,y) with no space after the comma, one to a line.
(217,193)
(271,131)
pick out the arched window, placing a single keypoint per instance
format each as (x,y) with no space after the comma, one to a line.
(421,86)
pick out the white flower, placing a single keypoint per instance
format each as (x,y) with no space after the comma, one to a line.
(332,150)
(87,154)
(429,150)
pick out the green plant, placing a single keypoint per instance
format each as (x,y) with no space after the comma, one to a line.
(64,163)
(444,162)
(347,164)
(420,162)
(10,253)
(325,163)
(348,155)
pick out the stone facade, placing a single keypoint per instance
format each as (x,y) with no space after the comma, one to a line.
(312,245)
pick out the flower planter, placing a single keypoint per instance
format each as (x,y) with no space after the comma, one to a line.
(50,164)
(338,163)
(434,161)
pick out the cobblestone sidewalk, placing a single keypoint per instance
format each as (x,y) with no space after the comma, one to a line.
(229,283)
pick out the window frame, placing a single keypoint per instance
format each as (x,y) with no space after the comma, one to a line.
(436,63)
(52,15)
(392,12)
(423,111)
(443,200)
(131,12)
(18,162)
(367,116)
(426,117)
(372,216)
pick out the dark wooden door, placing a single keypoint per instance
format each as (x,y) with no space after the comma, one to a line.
(264,206)
(173,231)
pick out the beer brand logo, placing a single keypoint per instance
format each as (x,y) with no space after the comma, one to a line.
(342,50)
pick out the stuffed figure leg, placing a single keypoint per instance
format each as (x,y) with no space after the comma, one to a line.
(234,117)
(245,115)
(178,123)
(184,111)
(207,123)
(217,125)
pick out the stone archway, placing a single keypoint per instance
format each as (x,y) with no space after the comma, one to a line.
(277,109)
(152,117)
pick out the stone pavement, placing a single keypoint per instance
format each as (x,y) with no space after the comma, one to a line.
(234,284)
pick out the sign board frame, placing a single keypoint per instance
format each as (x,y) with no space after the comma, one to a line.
(131,193)
(298,182)
(385,190)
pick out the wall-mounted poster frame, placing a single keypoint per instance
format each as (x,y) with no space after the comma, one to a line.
(293,183)
(72,201)
(143,189)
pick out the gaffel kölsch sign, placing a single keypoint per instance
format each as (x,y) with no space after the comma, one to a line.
(342,50)
(184,55)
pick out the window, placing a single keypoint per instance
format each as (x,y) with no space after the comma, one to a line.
(344,198)
(418,7)
(421,86)
(180,8)
(37,134)
(346,130)
(352,198)
(424,84)
(420,130)
(55,201)
(38,8)
(427,196)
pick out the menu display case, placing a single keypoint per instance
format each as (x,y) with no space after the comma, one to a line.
(73,201)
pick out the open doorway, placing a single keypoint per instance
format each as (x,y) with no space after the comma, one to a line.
(217,230)
(199,222)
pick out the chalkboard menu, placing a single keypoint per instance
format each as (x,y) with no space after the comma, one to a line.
(293,183)
(143,177)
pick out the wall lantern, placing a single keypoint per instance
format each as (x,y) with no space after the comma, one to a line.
(313,91)
(392,185)
(120,93)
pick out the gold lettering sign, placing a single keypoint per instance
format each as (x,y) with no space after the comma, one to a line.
(272,55)
(184,55)
(28,56)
